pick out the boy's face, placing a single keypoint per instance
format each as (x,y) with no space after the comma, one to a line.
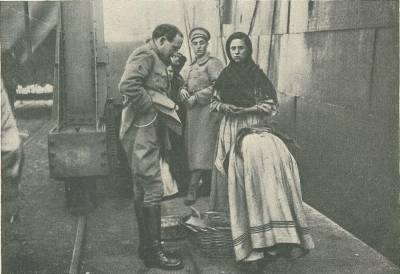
(170,70)
(175,60)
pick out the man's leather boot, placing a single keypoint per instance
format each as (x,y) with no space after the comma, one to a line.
(156,256)
(143,238)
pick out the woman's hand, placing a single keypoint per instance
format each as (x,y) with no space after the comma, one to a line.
(253,109)
(259,108)
(184,94)
(267,108)
(229,109)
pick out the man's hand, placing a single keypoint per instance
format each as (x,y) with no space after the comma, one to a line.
(184,94)
(191,101)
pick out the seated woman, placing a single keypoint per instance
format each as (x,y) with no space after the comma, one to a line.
(255,176)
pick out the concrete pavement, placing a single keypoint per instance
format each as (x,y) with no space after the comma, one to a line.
(47,232)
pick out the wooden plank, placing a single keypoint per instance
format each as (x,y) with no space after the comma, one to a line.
(281,18)
(263,18)
(263,52)
(243,14)
(293,66)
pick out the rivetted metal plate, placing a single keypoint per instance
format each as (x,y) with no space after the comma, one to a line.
(77,154)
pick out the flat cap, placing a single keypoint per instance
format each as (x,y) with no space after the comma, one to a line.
(199,32)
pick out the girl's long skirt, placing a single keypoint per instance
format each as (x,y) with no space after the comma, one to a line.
(229,127)
(265,200)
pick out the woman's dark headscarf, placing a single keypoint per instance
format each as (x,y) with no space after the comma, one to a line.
(243,84)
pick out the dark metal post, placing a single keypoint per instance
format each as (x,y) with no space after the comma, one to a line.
(77,144)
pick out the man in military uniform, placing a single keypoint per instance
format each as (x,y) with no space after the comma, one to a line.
(147,116)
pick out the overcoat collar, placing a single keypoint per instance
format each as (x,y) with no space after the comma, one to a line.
(154,47)
(201,61)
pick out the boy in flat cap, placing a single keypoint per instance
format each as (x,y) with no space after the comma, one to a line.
(201,125)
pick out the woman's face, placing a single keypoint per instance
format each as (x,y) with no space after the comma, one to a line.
(199,46)
(239,50)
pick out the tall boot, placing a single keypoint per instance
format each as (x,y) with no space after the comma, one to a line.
(143,238)
(156,256)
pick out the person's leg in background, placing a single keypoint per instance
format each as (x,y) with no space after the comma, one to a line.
(194,185)
(178,163)
(204,190)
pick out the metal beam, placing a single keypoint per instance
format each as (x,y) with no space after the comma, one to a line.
(77,144)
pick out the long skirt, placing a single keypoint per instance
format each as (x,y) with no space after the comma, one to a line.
(265,200)
(229,127)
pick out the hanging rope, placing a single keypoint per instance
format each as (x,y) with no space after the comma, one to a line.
(187,28)
(270,41)
(253,18)
(221,31)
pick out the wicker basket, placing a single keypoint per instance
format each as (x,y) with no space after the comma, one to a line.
(214,240)
(172,227)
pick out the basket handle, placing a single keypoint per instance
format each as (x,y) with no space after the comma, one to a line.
(196,212)
(192,228)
